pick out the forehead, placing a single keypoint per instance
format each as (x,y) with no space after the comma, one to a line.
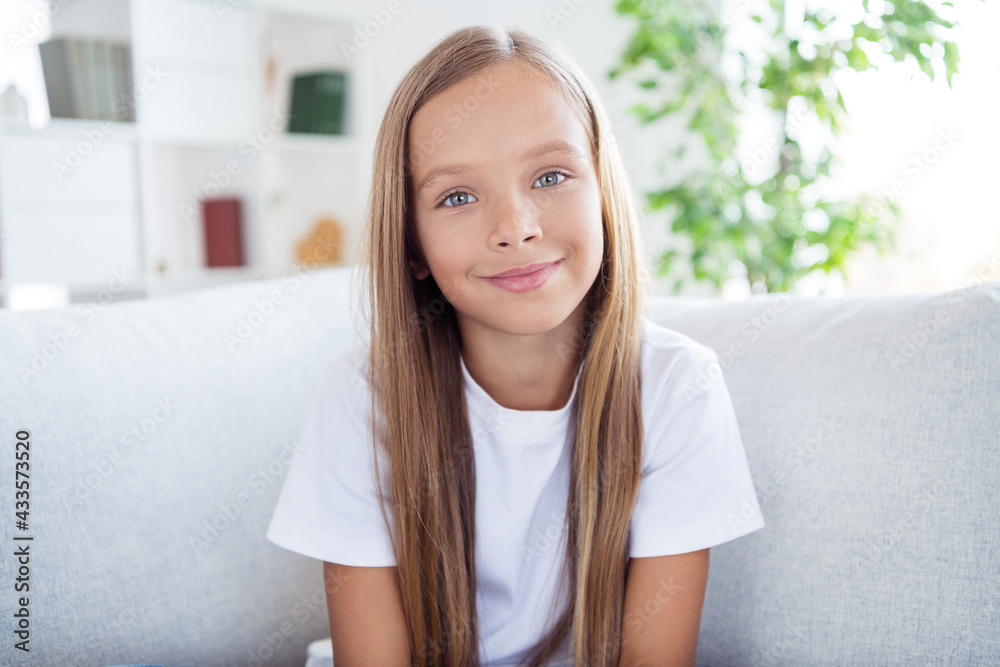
(492,116)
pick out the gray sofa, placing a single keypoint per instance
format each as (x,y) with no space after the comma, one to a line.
(160,433)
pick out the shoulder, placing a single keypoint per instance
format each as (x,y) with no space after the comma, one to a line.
(337,425)
(682,381)
(350,367)
(344,387)
(670,355)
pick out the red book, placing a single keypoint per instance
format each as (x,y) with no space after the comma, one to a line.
(223,233)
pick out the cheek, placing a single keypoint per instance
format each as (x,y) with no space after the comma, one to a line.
(432,244)
(595,254)
(448,260)
(590,244)
(581,220)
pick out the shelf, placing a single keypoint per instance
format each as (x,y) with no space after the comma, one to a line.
(135,201)
(336,144)
(133,288)
(212,277)
(71,128)
(207,275)
(182,281)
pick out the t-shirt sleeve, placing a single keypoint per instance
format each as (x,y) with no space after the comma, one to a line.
(695,491)
(328,507)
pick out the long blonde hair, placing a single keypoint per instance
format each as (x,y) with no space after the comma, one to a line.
(419,414)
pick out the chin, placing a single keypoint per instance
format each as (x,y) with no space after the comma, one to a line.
(528,324)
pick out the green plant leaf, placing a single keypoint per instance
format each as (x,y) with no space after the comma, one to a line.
(758,226)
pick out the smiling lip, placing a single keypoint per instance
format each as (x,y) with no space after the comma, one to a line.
(525,278)
(521,270)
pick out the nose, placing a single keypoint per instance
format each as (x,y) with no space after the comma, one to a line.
(515,222)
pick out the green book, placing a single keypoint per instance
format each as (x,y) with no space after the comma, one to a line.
(318,102)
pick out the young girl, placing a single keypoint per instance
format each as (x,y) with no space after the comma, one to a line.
(515,466)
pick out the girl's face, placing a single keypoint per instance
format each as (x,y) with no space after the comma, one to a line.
(502,177)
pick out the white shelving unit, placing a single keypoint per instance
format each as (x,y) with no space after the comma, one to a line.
(211,82)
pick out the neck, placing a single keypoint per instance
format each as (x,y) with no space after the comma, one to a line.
(527,371)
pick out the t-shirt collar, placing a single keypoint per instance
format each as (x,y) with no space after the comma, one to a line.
(524,422)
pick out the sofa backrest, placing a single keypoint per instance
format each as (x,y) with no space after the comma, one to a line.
(161,432)
(872,431)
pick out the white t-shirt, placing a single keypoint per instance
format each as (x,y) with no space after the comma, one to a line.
(695,492)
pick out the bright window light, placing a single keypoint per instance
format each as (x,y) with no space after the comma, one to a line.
(34,296)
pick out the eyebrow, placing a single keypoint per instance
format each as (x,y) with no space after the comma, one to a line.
(550,148)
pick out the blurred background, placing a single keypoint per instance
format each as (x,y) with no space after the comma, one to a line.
(840,148)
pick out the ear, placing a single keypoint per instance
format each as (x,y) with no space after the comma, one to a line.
(420,269)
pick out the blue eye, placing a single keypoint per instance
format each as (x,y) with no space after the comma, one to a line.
(550,183)
(457,199)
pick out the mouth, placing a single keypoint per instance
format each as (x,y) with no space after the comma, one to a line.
(525,278)
(523,270)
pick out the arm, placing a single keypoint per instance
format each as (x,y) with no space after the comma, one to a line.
(367,622)
(662,615)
